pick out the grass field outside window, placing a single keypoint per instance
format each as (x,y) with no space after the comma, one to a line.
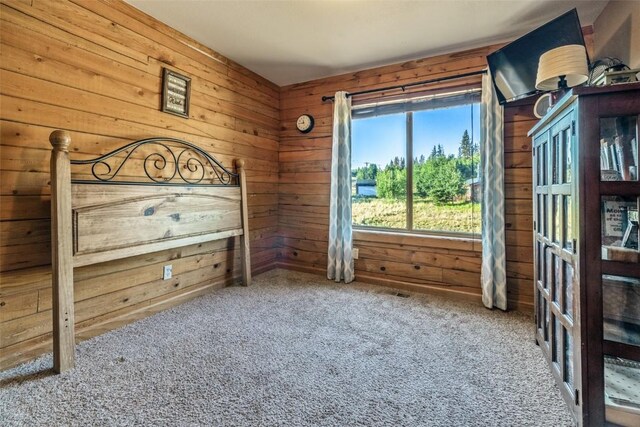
(457,217)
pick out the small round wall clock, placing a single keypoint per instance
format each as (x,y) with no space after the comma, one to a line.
(305,123)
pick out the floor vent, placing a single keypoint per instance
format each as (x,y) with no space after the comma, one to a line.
(393,293)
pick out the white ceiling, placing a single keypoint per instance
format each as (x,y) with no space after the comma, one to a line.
(292,41)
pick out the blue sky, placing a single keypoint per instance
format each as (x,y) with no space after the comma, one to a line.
(380,139)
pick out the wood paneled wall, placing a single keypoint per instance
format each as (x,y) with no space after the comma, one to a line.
(443,265)
(94,68)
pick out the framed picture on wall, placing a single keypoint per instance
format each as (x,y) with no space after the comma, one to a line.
(176,91)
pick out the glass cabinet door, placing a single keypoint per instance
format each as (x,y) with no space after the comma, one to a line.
(554,252)
(620,292)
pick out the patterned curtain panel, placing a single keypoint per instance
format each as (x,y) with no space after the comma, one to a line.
(494,275)
(340,263)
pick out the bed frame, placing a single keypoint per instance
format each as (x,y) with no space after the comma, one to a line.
(187,197)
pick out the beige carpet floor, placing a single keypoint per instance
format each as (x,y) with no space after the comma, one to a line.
(298,350)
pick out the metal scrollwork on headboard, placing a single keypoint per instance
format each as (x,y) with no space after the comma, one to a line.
(172,162)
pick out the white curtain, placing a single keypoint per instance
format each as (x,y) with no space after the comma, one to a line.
(494,275)
(340,255)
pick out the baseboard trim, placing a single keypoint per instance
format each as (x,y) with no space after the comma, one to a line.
(423,289)
(474,298)
(389,283)
(263,268)
(302,268)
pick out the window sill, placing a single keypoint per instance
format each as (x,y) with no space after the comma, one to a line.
(473,244)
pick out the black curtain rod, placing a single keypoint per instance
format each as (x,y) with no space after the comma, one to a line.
(403,87)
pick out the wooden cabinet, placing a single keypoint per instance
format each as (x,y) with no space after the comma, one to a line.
(587,275)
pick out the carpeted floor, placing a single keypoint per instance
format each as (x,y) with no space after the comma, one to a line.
(298,350)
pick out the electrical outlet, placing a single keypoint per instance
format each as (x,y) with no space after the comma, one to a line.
(356,253)
(167,272)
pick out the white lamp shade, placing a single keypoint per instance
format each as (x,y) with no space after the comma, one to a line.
(569,61)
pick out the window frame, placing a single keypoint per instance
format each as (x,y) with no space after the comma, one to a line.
(409,230)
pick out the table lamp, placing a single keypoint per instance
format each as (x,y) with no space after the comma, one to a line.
(562,68)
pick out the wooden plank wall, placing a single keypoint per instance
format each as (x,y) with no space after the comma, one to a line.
(94,68)
(442,265)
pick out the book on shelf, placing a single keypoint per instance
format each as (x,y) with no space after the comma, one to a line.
(615,159)
(620,230)
(615,217)
(605,162)
(630,237)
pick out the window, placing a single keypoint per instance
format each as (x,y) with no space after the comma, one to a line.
(415,164)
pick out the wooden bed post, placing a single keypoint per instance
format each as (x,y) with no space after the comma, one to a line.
(61,253)
(244,239)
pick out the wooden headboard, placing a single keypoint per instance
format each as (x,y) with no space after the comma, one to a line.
(110,210)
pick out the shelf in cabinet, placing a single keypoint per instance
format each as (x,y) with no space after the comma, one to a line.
(620,188)
(618,254)
(619,268)
(618,349)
